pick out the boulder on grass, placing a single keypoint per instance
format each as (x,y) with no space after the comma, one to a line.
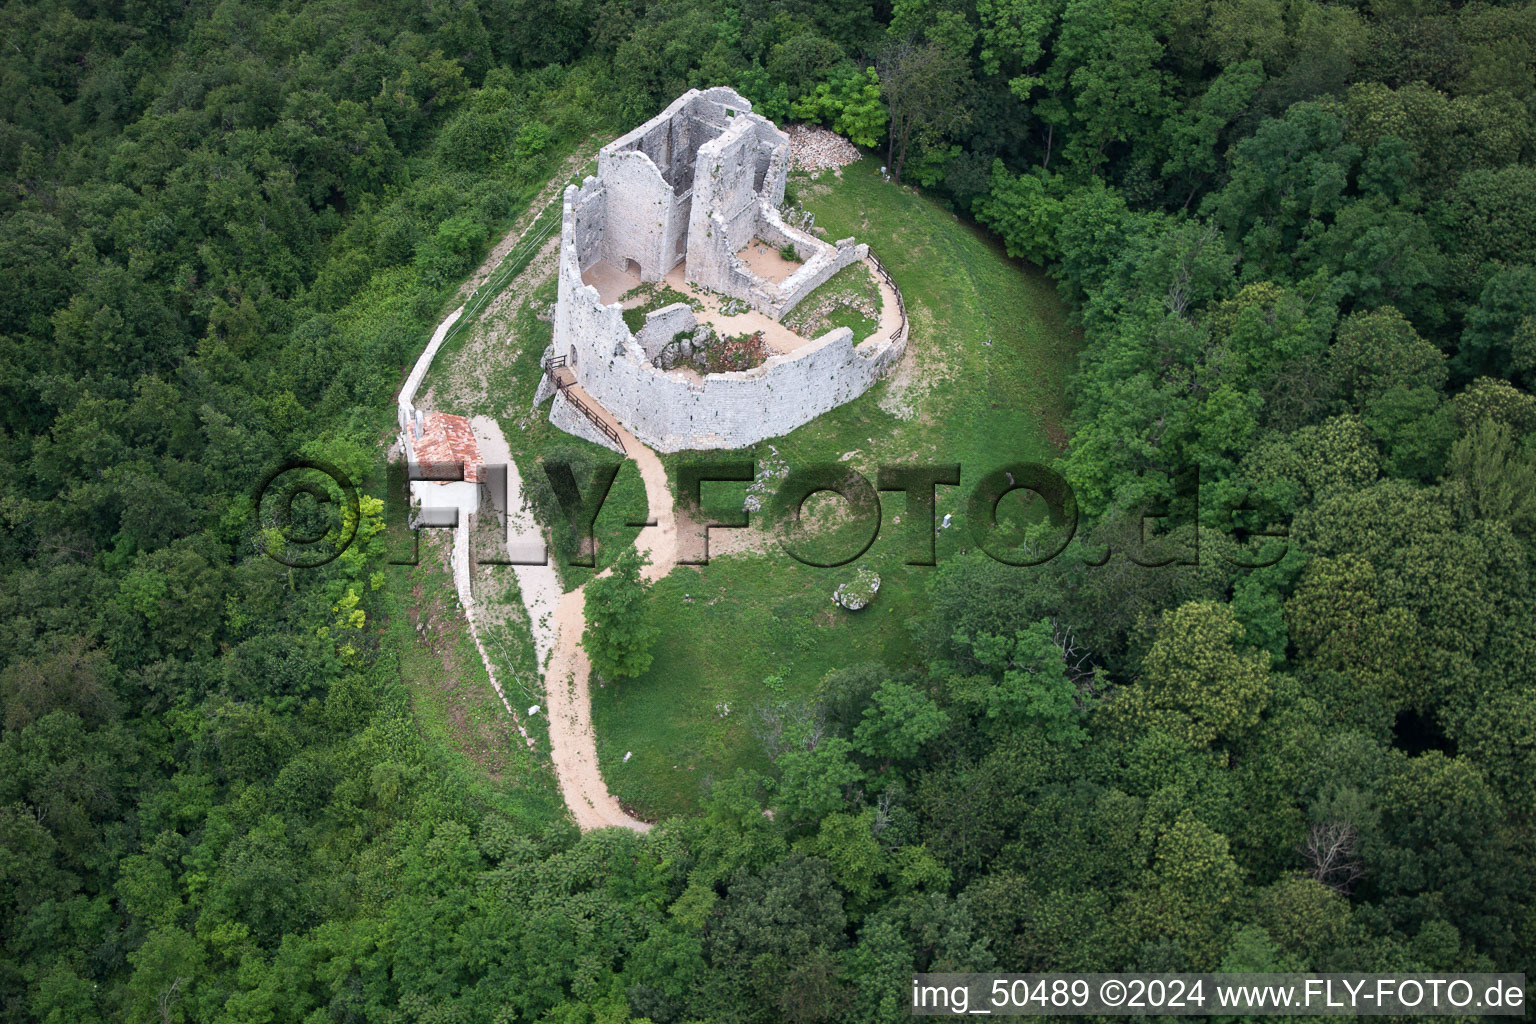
(858,592)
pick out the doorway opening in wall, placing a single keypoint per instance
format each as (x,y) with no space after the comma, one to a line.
(572,359)
(632,267)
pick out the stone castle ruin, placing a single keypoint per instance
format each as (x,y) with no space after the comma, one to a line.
(689,202)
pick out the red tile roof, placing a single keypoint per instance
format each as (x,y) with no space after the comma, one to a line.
(448,440)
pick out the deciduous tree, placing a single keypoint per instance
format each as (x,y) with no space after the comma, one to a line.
(619,634)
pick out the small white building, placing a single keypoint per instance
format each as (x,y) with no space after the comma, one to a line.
(445,468)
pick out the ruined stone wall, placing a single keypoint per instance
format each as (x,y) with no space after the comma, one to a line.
(725,187)
(738,175)
(662,326)
(729,276)
(705,174)
(641,216)
(775,171)
(773,230)
(659,141)
(589,221)
(732,410)
(725,272)
(585,329)
(827,261)
(650,173)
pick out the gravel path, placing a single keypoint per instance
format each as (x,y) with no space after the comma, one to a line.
(558,621)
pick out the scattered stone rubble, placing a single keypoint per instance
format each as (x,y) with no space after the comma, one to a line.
(771,469)
(815,149)
(813,322)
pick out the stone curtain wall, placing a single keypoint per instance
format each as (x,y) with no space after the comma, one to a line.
(733,410)
(588,222)
(586,332)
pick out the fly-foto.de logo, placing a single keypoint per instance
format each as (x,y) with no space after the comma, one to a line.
(309,512)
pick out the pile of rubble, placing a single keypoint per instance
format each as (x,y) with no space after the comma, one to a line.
(815,149)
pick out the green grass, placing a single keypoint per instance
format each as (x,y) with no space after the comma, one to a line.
(509,643)
(452,699)
(740,636)
(761,630)
(976,403)
(757,632)
(657,296)
(840,302)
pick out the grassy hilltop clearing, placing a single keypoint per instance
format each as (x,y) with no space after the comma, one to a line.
(747,639)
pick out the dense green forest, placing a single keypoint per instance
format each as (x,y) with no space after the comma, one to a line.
(1300,239)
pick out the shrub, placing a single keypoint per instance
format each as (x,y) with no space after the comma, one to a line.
(619,634)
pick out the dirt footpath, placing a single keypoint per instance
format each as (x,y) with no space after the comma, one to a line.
(573,745)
